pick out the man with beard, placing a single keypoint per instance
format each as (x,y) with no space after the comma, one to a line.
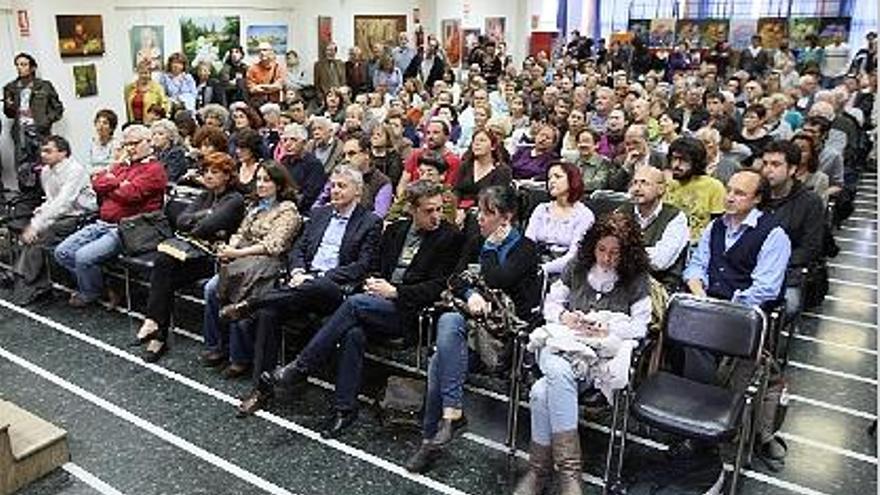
(798,210)
(701,197)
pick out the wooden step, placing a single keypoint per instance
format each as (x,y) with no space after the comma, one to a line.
(29,448)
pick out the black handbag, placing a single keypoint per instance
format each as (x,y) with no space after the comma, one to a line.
(143,232)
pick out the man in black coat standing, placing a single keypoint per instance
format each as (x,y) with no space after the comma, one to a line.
(415,258)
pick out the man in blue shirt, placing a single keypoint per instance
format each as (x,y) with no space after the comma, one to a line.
(335,252)
(741,256)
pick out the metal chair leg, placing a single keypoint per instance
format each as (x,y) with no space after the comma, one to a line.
(745,431)
(627,397)
(127,276)
(514,397)
(609,454)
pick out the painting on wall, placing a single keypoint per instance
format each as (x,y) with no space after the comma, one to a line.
(688,31)
(713,31)
(471,37)
(772,31)
(800,28)
(147,45)
(80,35)
(831,27)
(662,32)
(85,80)
(325,33)
(495,28)
(207,39)
(372,29)
(451,40)
(640,29)
(741,32)
(275,35)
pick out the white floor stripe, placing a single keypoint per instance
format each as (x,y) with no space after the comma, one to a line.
(856,253)
(845,321)
(770,480)
(145,425)
(858,229)
(850,301)
(350,450)
(839,374)
(851,284)
(284,423)
(830,448)
(814,340)
(90,479)
(854,218)
(870,212)
(842,238)
(852,267)
(833,407)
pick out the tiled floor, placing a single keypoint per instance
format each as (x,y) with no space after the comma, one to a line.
(170,429)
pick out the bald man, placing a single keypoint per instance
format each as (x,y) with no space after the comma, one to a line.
(664,227)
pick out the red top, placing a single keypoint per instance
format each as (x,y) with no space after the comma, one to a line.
(452,161)
(127,190)
(137,106)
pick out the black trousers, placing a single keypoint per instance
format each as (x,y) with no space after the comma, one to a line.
(168,275)
(317,296)
(31,262)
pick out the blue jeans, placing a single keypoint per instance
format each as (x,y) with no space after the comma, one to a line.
(553,399)
(83,252)
(447,371)
(359,316)
(212,330)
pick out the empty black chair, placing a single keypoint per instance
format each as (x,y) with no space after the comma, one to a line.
(605,201)
(702,411)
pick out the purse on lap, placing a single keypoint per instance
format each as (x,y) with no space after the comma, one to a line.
(142,233)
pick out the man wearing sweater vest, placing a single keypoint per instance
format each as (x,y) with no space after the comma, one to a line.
(664,227)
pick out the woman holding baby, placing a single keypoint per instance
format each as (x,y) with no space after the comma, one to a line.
(595,313)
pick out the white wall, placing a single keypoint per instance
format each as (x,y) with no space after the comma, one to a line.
(114,68)
(516,12)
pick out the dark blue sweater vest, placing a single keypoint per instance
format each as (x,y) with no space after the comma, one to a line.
(732,270)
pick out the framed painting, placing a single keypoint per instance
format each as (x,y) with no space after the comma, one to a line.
(471,37)
(451,40)
(741,32)
(275,35)
(800,28)
(80,35)
(662,32)
(206,39)
(773,31)
(713,31)
(147,45)
(372,29)
(325,33)
(832,27)
(85,80)
(687,31)
(495,28)
(640,29)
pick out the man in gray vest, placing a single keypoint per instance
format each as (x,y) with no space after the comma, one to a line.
(664,227)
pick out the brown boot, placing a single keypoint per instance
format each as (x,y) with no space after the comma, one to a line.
(567,457)
(540,468)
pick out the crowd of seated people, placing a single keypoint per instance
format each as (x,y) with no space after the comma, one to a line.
(366,200)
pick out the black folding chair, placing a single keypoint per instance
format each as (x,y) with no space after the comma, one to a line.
(700,411)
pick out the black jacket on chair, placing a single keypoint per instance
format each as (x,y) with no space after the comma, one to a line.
(425,278)
(357,253)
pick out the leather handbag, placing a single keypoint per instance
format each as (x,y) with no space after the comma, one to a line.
(143,232)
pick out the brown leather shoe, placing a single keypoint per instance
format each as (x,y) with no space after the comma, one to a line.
(235,370)
(212,359)
(78,301)
(256,400)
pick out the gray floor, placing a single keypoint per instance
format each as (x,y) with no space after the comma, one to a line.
(170,429)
